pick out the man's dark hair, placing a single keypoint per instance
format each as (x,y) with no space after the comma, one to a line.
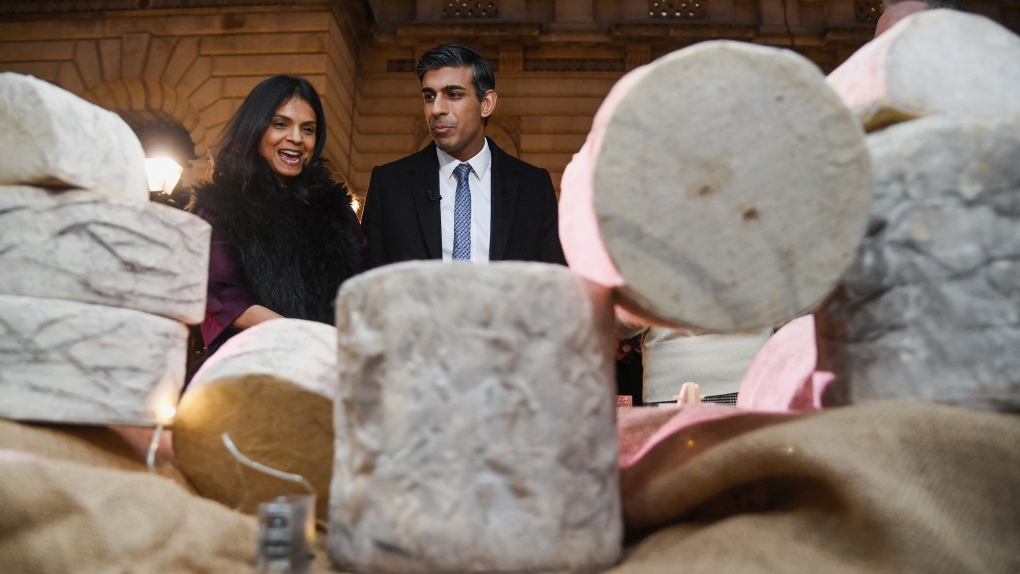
(934,4)
(458,56)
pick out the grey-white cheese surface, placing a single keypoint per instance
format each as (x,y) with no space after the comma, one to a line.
(303,352)
(83,246)
(475,427)
(271,387)
(933,62)
(931,308)
(731,188)
(52,137)
(68,362)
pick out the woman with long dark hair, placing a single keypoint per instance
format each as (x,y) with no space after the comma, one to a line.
(284,233)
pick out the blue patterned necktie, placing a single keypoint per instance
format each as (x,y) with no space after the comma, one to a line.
(462,214)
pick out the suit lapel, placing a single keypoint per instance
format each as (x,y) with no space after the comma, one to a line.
(424,175)
(505,188)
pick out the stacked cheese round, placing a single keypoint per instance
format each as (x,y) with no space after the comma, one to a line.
(932,62)
(475,421)
(96,281)
(271,388)
(723,187)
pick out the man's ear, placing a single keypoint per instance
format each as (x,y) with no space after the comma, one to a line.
(488,103)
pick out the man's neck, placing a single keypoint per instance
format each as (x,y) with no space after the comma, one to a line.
(467,152)
(461,156)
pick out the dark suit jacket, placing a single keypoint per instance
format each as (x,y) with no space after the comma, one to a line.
(401,222)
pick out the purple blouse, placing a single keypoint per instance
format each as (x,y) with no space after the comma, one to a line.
(228,295)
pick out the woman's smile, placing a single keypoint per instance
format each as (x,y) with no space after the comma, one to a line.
(289,141)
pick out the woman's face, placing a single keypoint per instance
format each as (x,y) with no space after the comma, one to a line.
(290,138)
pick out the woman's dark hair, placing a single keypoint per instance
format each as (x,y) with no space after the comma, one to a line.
(238,163)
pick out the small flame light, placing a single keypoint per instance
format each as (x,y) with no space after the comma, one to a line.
(167,412)
(163,173)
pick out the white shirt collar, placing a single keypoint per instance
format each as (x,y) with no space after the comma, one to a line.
(479,163)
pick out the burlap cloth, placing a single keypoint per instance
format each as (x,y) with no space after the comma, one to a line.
(885,487)
(882,487)
(80,499)
(58,516)
(119,447)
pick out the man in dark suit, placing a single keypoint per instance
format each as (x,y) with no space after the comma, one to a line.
(460,198)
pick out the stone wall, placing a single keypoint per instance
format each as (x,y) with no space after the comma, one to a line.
(541,117)
(192,67)
(555,60)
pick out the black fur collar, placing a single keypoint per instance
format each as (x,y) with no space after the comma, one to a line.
(293,253)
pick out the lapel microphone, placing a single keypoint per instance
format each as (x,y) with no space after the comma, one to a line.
(433,196)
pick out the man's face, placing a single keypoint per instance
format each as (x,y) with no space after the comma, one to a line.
(453,111)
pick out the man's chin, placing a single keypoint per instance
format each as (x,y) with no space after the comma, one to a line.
(447,146)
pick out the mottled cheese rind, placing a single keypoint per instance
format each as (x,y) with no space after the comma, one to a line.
(271,388)
(731,188)
(52,137)
(475,421)
(77,363)
(87,247)
(302,351)
(932,62)
(930,310)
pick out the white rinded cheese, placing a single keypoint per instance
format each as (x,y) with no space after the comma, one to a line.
(931,308)
(83,246)
(475,421)
(731,188)
(932,62)
(271,388)
(51,137)
(69,362)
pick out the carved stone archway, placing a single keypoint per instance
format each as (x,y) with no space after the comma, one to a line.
(143,102)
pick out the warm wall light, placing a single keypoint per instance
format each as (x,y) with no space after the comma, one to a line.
(163,173)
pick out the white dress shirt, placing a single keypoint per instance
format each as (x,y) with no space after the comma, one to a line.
(480,180)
